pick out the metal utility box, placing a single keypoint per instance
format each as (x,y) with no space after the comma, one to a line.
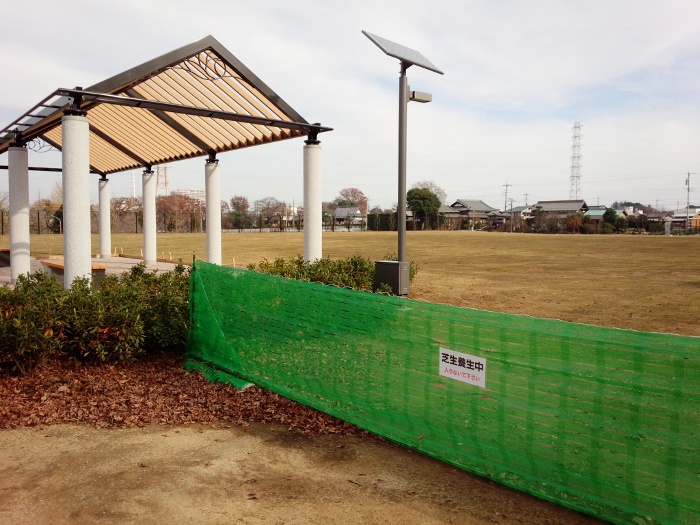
(394,273)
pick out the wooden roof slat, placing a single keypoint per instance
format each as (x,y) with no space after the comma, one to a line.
(146,132)
(232,105)
(212,127)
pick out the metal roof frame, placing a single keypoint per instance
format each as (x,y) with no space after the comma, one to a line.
(198,100)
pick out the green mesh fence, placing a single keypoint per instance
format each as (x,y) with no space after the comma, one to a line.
(601,420)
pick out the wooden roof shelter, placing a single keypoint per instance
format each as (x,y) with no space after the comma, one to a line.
(195,101)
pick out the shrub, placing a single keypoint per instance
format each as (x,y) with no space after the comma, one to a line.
(99,326)
(159,298)
(28,321)
(354,272)
(128,316)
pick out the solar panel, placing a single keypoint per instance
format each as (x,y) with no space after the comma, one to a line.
(403,53)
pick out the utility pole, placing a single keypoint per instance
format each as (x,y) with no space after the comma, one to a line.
(687,203)
(526,194)
(511,215)
(505,203)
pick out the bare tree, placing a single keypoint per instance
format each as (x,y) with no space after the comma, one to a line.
(330,207)
(57,192)
(126,214)
(352,197)
(430,185)
(44,211)
(268,208)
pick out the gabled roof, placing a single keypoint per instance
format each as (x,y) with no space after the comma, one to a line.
(566,206)
(194,101)
(449,210)
(341,212)
(595,213)
(472,205)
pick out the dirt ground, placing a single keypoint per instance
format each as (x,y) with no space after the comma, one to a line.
(261,474)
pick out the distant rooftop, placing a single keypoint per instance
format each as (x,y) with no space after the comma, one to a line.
(472,205)
(563,206)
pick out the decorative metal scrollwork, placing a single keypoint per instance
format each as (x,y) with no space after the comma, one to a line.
(39,145)
(206,67)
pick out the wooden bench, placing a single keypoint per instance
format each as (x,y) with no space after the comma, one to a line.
(56,268)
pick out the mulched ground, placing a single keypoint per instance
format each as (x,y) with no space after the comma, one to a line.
(155,390)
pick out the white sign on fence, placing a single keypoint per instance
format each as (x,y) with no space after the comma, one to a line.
(463,367)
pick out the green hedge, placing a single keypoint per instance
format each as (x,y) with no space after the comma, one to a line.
(354,272)
(130,315)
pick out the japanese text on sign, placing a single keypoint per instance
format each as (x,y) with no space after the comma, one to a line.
(463,367)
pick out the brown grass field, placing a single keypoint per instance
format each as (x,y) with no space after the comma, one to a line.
(639,282)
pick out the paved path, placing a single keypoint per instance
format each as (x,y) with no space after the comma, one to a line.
(115,266)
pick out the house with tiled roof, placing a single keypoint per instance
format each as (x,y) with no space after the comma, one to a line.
(596,217)
(474,209)
(561,209)
(347,215)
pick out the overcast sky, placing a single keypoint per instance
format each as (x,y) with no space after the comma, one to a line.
(518,75)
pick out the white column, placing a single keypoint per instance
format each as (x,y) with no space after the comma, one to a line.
(76,199)
(313,202)
(150,226)
(105,226)
(212,189)
(18,164)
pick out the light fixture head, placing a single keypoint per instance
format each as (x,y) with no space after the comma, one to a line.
(420,96)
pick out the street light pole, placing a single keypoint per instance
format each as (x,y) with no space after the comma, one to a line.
(398,275)
(403,111)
